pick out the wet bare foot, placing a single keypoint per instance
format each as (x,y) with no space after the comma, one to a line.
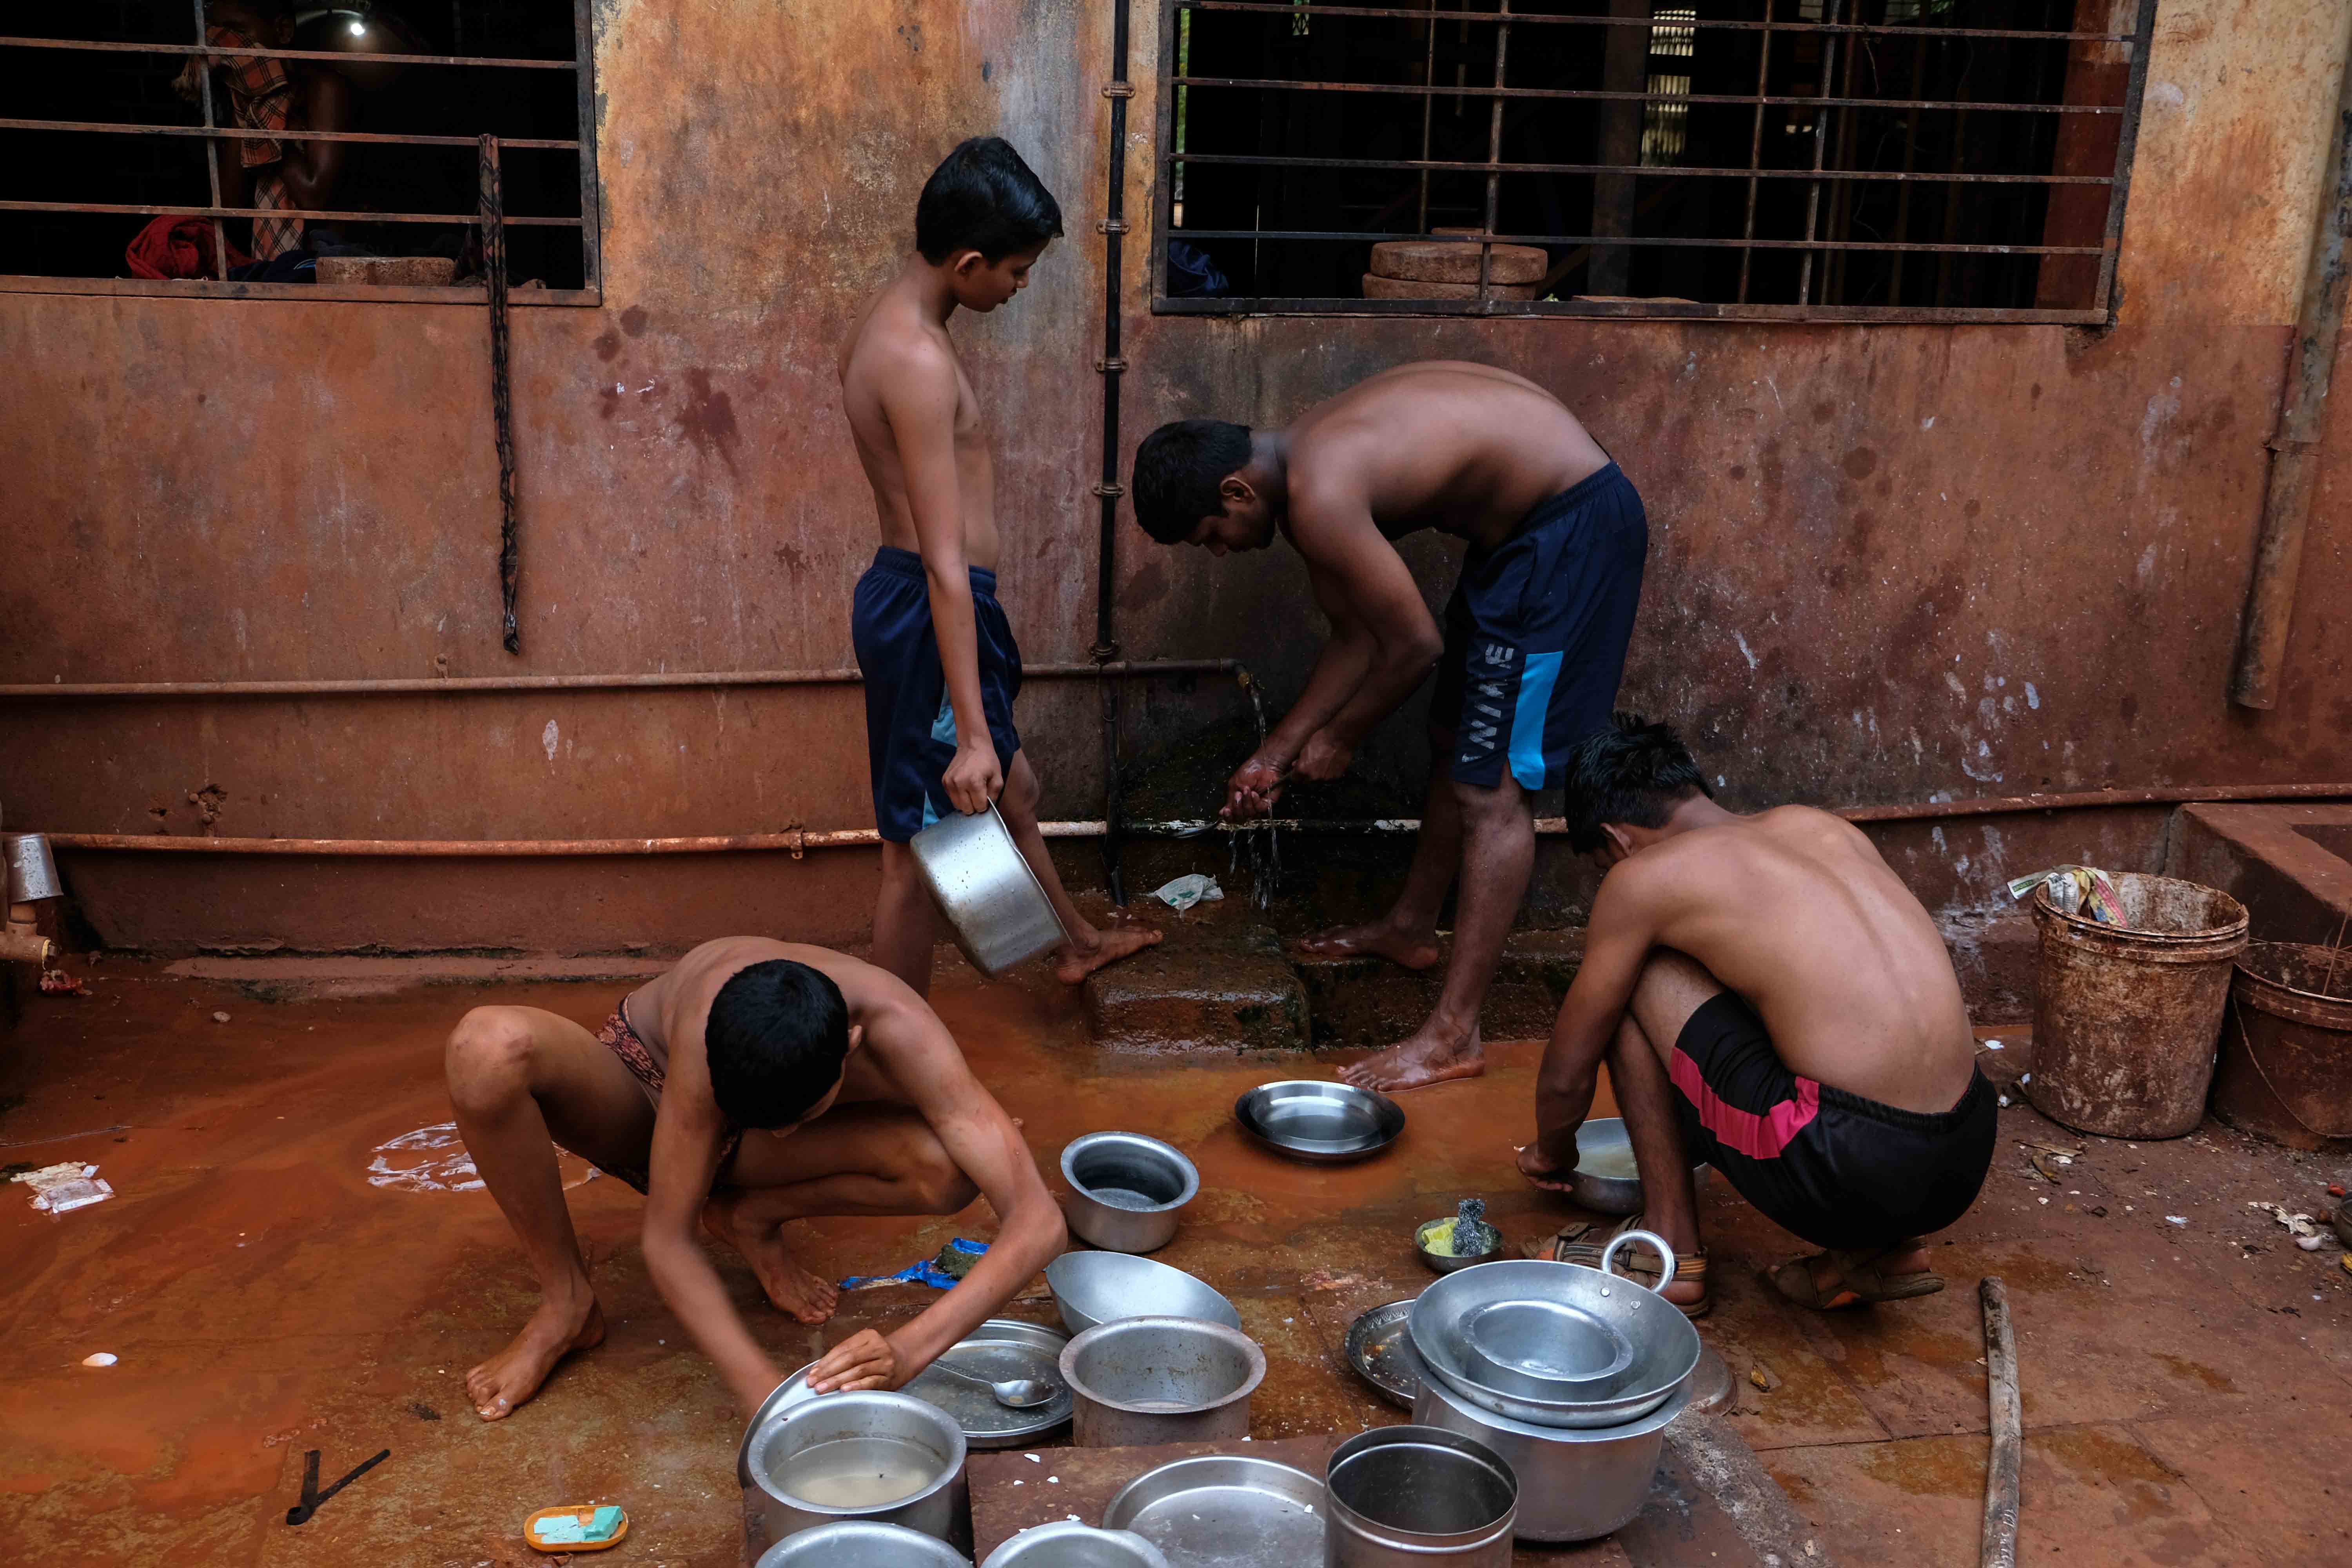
(1431,1055)
(793,1289)
(1109,947)
(511,1377)
(1374,938)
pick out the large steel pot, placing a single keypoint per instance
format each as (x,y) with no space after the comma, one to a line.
(1127,1191)
(1139,1381)
(994,905)
(782,1432)
(1071,1544)
(864,1544)
(1418,1496)
(1575,1482)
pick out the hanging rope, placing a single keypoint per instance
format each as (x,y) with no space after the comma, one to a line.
(494,274)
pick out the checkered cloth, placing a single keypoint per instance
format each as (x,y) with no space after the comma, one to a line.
(261,98)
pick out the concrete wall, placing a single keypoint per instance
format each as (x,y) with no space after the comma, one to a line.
(1889,563)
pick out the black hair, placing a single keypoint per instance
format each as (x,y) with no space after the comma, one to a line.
(1633,772)
(1178,469)
(776,1038)
(983,197)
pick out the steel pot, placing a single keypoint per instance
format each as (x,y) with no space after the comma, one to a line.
(1139,1381)
(1070,1545)
(994,905)
(1127,1191)
(865,1544)
(1575,1482)
(1418,1496)
(782,1431)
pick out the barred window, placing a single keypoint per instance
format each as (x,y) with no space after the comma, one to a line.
(307,148)
(1906,160)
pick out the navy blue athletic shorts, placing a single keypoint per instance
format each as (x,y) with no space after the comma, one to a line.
(910,729)
(1838,1170)
(1536,635)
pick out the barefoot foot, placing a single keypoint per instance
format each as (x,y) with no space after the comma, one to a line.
(1079,959)
(1429,1057)
(790,1287)
(511,1377)
(1375,939)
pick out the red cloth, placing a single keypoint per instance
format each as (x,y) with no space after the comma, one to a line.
(177,248)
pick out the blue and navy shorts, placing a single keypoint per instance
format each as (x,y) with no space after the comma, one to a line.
(910,729)
(1536,635)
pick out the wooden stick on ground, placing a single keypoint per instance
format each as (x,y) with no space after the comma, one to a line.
(1999,1550)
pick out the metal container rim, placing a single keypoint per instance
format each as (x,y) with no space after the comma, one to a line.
(1469,1449)
(1253,1357)
(958,1451)
(1087,1141)
(2230,936)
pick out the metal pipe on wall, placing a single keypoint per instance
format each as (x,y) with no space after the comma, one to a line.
(2295,449)
(797,841)
(1118,90)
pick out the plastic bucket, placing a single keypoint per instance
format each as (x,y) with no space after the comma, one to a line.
(2285,1072)
(2127,1016)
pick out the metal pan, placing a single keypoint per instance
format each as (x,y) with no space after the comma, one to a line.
(1380,1349)
(1000,1349)
(1222,1509)
(1319,1122)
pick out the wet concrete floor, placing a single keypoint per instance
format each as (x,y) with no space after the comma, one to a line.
(2187,1387)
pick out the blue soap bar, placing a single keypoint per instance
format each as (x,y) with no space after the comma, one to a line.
(561,1531)
(607,1520)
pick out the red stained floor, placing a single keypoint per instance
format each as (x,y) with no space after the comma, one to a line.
(2188,1388)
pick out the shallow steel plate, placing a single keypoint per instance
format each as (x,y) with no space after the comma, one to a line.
(1380,1350)
(999,1349)
(1320,1122)
(1224,1511)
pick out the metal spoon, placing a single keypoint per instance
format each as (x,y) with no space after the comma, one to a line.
(1013,1394)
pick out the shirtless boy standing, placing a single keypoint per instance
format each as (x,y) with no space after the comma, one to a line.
(757,1082)
(1769,999)
(940,665)
(1533,647)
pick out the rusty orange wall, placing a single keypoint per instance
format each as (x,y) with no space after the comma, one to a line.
(1889,563)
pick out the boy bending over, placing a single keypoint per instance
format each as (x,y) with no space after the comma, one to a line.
(1769,999)
(755,1083)
(940,665)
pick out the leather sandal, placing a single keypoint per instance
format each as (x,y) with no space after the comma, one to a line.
(1640,1266)
(1860,1282)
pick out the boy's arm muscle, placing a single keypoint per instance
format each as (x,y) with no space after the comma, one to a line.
(919,395)
(1345,548)
(1618,938)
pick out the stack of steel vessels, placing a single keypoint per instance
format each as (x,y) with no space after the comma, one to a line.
(1570,1375)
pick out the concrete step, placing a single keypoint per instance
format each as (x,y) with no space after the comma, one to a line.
(1370,1002)
(1220,988)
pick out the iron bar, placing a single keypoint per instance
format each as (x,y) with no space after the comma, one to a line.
(2135,91)
(1341,235)
(1493,156)
(1820,142)
(238,133)
(1428,105)
(1645,170)
(1875,29)
(410,685)
(1282,85)
(591,228)
(212,152)
(1672,310)
(1108,488)
(494,279)
(345,57)
(155,209)
(1756,148)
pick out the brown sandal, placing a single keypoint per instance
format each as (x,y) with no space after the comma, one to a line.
(1860,1282)
(1642,1266)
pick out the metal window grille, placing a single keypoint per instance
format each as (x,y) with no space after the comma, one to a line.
(209,123)
(1810,159)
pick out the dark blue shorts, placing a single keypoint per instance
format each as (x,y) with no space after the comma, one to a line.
(911,730)
(1536,635)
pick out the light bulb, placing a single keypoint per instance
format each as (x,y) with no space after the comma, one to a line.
(359,29)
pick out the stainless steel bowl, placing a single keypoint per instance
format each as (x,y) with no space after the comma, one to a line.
(1070,1545)
(1320,1122)
(1604,1179)
(1225,1508)
(1127,1191)
(994,905)
(1575,1483)
(1447,1262)
(865,1544)
(1093,1288)
(1419,1496)
(1139,1381)
(1664,1345)
(1544,1350)
(781,1452)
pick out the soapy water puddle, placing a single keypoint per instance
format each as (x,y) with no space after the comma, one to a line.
(435,1160)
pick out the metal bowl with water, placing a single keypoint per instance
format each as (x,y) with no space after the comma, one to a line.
(994,903)
(1601,1308)
(1319,1122)
(1606,1179)
(888,1459)
(1093,1288)
(1127,1191)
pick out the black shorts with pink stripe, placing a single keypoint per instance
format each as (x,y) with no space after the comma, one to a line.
(1838,1170)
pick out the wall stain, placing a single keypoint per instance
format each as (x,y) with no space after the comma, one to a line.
(707,419)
